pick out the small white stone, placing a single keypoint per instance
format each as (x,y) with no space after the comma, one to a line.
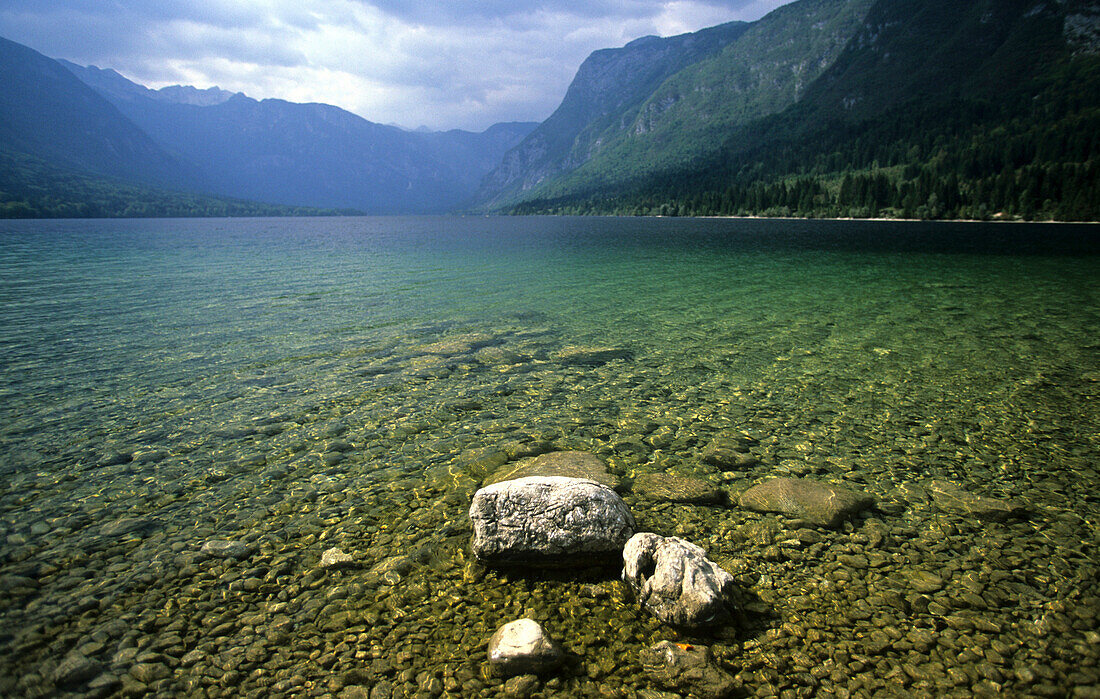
(335,558)
(522,647)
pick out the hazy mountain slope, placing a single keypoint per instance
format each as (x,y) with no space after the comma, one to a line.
(110,81)
(935,109)
(33,188)
(311,154)
(759,69)
(606,93)
(690,115)
(46,113)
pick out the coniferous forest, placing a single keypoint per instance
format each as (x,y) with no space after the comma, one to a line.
(1029,152)
(30,188)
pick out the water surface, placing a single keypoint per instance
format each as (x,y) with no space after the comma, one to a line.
(298,384)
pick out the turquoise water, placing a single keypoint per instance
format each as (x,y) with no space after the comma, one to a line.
(298,384)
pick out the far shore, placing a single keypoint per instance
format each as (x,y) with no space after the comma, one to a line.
(891,220)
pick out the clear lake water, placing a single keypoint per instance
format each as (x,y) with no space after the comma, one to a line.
(301,384)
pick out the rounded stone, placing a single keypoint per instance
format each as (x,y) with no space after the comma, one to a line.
(522,647)
(221,548)
(549,521)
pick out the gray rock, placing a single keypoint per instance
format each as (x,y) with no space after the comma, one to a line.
(193,656)
(571,464)
(382,690)
(127,527)
(521,686)
(75,669)
(668,487)
(497,356)
(822,504)
(147,673)
(951,498)
(924,581)
(574,355)
(675,581)
(728,455)
(104,684)
(115,458)
(223,548)
(688,669)
(550,521)
(457,344)
(522,647)
(335,558)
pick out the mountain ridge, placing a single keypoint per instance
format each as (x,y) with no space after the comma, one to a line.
(983,109)
(313,154)
(608,83)
(757,69)
(63,123)
(47,113)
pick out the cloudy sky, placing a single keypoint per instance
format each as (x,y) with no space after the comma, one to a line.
(437,63)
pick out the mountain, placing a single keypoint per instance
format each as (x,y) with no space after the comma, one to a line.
(33,188)
(109,81)
(308,154)
(49,115)
(669,101)
(932,109)
(607,91)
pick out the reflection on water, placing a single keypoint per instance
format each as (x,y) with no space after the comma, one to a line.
(300,384)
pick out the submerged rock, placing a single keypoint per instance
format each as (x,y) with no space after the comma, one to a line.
(335,558)
(75,669)
(574,355)
(688,669)
(571,464)
(222,548)
(667,487)
(676,581)
(729,454)
(390,571)
(135,527)
(550,520)
(500,356)
(522,647)
(521,686)
(951,498)
(822,504)
(457,344)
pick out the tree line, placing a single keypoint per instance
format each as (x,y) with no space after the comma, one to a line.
(1028,157)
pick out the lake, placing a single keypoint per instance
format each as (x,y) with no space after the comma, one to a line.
(294,385)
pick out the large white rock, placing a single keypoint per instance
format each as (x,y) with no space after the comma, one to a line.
(676,581)
(549,520)
(522,647)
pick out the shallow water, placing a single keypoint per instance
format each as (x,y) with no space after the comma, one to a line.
(299,384)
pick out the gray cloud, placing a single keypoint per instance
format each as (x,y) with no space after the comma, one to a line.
(442,63)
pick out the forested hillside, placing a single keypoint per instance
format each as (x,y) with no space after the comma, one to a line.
(982,109)
(31,188)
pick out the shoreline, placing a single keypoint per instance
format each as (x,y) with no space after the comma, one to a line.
(891,220)
(877,219)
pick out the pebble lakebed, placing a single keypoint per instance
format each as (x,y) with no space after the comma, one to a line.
(376,447)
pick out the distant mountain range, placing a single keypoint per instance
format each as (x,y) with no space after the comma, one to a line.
(904,108)
(96,123)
